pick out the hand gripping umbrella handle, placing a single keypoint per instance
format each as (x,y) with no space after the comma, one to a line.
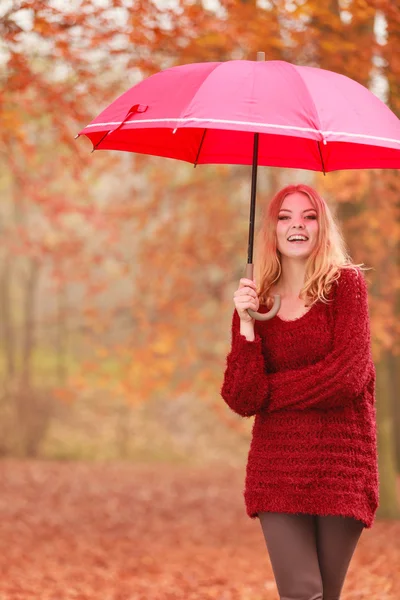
(277,301)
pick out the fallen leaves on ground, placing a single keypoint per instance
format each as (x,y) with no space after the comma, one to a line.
(90,531)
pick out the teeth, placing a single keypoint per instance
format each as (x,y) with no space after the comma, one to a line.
(297,237)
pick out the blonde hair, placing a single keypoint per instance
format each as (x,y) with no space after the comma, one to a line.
(325,261)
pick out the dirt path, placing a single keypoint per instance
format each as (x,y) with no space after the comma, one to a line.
(128,532)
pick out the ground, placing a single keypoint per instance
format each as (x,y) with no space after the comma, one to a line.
(119,531)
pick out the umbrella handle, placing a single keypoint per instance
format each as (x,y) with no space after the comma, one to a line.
(275,308)
(269,315)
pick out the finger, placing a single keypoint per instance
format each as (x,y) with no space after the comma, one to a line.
(246,298)
(250,297)
(248,282)
(247,306)
(246,290)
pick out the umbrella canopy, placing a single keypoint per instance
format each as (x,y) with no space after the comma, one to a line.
(243,112)
(207,113)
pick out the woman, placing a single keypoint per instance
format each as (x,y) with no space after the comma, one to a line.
(308,377)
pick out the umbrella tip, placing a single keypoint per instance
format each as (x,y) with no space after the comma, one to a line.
(260,56)
(76,137)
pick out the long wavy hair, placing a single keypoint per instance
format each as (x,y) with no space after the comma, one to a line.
(324,263)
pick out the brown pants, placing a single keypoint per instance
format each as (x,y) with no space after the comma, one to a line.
(309,554)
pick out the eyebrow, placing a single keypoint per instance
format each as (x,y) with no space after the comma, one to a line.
(306,210)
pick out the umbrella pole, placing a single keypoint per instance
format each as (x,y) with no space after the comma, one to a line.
(250,266)
(253,202)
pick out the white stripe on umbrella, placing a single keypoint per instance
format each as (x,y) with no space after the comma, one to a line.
(251,123)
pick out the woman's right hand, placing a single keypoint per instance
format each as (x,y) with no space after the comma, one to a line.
(246,297)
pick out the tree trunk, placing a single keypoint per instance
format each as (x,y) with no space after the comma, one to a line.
(61,334)
(391,72)
(7,333)
(123,431)
(32,406)
(28,342)
(388,504)
(394,375)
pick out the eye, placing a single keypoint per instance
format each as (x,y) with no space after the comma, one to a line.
(281,218)
(311,217)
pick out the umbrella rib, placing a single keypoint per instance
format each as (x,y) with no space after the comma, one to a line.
(293,68)
(199,150)
(322,160)
(95,146)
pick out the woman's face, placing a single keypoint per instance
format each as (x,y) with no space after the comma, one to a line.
(297,216)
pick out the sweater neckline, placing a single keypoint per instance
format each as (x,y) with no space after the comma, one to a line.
(297,320)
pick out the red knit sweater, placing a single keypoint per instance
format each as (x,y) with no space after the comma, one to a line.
(310,382)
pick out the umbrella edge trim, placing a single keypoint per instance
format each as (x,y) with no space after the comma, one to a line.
(175,121)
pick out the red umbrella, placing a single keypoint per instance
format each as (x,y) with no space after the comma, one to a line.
(244,112)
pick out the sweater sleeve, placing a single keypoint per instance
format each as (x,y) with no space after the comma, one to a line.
(344,372)
(245,386)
